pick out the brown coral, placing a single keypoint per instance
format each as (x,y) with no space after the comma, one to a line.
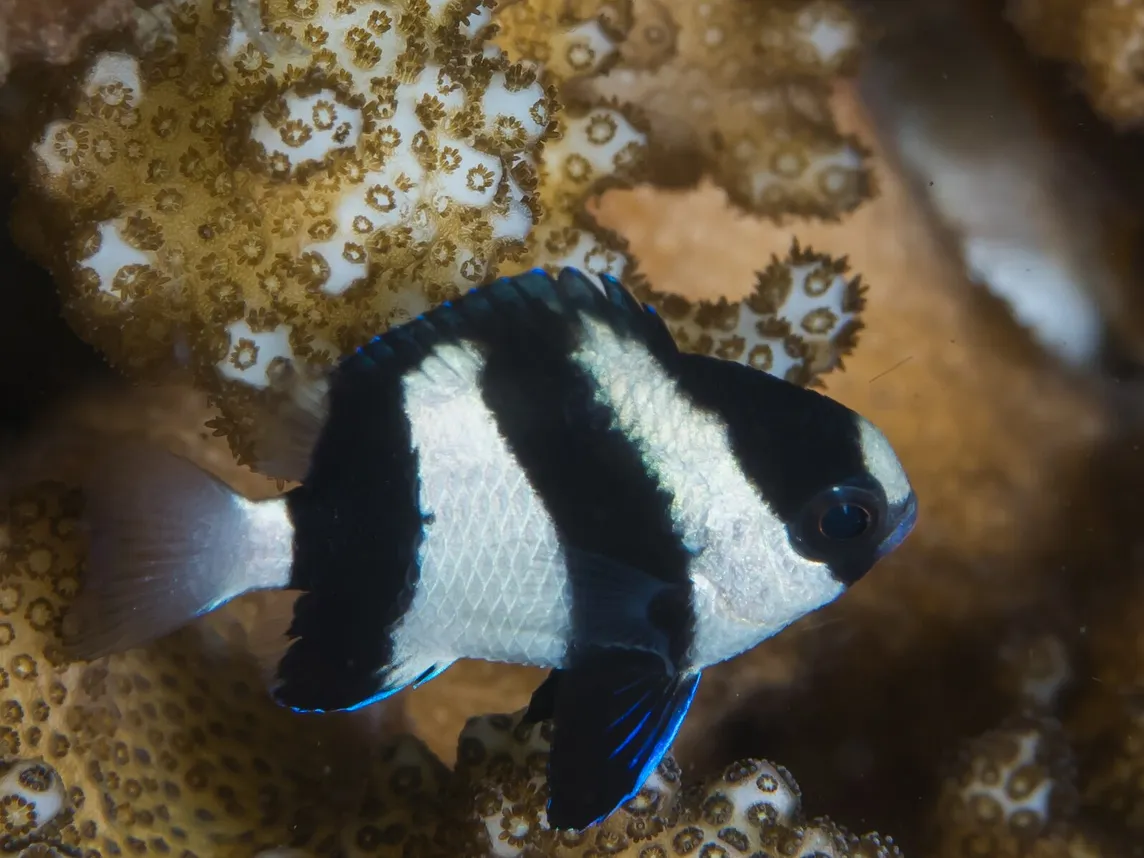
(1103,38)
(251,193)
(1015,784)
(172,748)
(597,144)
(752,807)
(54,31)
(627,61)
(266,197)
(1108,722)
(175,748)
(799,321)
(738,89)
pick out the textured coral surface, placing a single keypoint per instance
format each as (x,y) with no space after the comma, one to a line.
(596,143)
(751,807)
(738,89)
(176,748)
(260,190)
(257,195)
(54,31)
(908,707)
(1103,38)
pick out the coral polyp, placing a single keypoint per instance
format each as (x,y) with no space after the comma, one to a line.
(740,91)
(255,188)
(270,198)
(801,318)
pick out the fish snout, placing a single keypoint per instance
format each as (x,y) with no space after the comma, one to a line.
(903,517)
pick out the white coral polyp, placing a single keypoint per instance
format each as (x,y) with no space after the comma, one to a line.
(38,788)
(252,352)
(815,310)
(593,146)
(1036,801)
(476,22)
(815,306)
(831,34)
(515,222)
(580,249)
(376,158)
(346,262)
(313,128)
(776,788)
(114,261)
(524,110)
(113,80)
(829,171)
(586,47)
(403,193)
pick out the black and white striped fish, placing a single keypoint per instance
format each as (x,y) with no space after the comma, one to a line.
(533,473)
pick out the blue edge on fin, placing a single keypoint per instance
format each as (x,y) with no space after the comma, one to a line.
(597,763)
(432,673)
(662,745)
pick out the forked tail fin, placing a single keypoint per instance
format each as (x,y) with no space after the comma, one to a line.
(168,542)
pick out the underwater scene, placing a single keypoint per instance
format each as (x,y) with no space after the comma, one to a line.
(640,428)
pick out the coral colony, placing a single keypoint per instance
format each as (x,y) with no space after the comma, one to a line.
(253,192)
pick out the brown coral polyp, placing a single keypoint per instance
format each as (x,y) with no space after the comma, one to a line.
(268,200)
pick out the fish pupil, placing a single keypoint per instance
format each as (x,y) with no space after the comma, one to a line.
(844,521)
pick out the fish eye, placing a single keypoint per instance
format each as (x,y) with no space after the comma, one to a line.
(838,522)
(845,520)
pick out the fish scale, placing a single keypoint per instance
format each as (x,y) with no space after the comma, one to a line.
(462,606)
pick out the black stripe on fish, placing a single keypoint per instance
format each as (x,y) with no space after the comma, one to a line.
(608,510)
(625,686)
(358,526)
(357,518)
(790,442)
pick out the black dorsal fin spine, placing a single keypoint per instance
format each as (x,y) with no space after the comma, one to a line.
(485,308)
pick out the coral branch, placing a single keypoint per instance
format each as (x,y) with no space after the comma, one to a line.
(739,89)
(800,321)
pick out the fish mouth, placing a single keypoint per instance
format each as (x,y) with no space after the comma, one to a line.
(905,515)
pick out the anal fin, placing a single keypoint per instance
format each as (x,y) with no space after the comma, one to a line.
(313,691)
(616,714)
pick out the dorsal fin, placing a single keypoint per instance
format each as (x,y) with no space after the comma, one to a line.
(285,438)
(485,308)
(610,303)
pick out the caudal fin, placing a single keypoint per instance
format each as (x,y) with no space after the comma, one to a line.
(168,542)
